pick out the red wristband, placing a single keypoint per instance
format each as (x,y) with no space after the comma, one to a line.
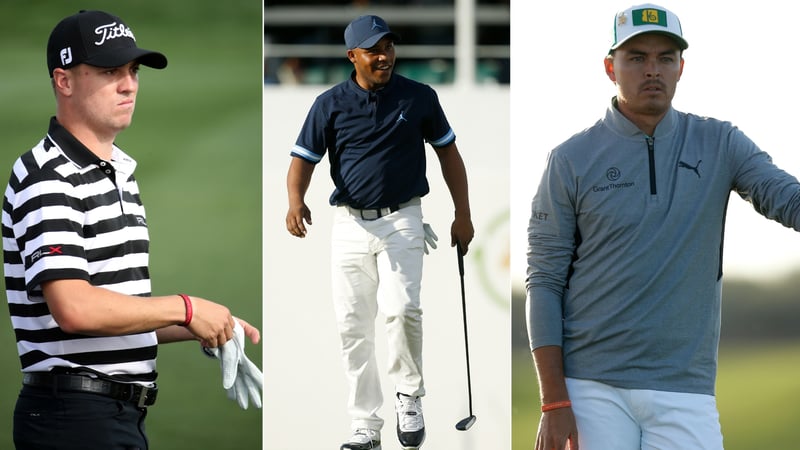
(188,304)
(556,405)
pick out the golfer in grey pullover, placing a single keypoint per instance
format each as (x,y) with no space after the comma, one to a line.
(625,256)
(644,217)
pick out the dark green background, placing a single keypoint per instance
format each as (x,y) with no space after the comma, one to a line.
(196,134)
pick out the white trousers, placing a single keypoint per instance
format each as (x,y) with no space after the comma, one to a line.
(633,419)
(377,266)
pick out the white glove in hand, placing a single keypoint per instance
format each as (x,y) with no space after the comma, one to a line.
(430,238)
(247,385)
(241,378)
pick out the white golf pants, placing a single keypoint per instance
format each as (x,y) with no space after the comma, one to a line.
(635,419)
(377,266)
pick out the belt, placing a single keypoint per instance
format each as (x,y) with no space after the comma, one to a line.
(65,382)
(377,213)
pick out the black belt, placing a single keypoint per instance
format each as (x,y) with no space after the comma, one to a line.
(373,214)
(377,213)
(65,382)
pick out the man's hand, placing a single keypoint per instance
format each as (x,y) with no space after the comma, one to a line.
(557,430)
(295,220)
(430,238)
(462,232)
(211,322)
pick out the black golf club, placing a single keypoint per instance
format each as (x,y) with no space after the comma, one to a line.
(466,423)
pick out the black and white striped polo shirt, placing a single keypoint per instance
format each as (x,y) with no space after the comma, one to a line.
(69,215)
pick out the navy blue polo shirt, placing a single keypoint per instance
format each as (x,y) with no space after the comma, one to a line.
(375,140)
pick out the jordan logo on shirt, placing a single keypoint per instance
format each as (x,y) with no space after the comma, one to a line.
(402,117)
(694,168)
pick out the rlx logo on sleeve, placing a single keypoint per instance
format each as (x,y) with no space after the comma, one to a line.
(46,251)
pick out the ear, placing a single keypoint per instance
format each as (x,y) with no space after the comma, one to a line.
(351,55)
(680,73)
(608,62)
(62,82)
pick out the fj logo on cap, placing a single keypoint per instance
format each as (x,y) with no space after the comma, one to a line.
(649,17)
(112,31)
(66,55)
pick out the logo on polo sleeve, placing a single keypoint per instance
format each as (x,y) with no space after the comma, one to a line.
(47,250)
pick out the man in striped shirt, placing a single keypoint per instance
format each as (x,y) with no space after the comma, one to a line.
(75,243)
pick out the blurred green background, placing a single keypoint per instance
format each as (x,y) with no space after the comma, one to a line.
(197,137)
(758,381)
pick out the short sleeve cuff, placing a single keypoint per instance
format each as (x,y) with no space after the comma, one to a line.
(308,155)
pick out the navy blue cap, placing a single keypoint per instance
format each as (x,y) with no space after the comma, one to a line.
(99,39)
(366,31)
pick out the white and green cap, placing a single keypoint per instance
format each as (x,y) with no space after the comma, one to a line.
(647,18)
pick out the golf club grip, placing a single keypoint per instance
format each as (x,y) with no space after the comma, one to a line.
(460,259)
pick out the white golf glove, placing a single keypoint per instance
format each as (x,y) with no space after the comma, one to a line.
(241,379)
(430,238)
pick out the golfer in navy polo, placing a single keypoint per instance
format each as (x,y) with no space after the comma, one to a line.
(373,127)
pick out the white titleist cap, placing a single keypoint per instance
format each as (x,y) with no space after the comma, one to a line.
(647,18)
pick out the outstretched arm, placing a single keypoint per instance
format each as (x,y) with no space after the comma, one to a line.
(80,308)
(455,176)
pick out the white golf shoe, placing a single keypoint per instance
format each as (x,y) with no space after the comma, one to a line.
(410,423)
(363,439)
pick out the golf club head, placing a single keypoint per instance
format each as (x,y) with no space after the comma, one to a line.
(465,424)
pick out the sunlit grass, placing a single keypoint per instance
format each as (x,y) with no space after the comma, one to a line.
(758,388)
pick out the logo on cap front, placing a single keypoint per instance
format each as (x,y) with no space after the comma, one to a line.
(112,31)
(66,55)
(375,24)
(649,17)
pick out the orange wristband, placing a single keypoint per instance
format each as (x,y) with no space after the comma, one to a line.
(188,304)
(556,405)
